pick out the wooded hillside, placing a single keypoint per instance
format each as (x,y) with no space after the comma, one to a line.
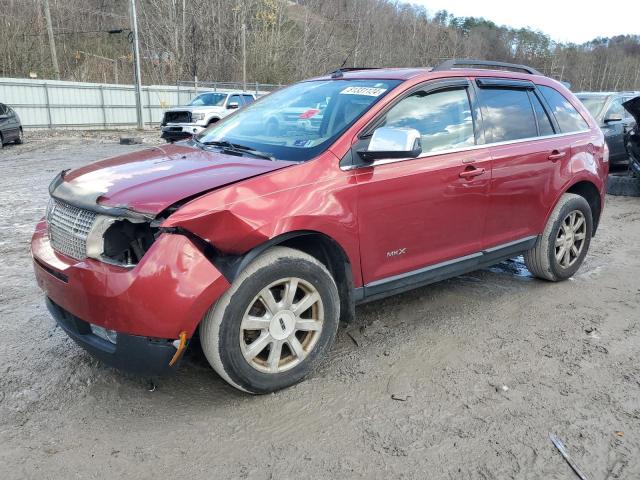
(286,41)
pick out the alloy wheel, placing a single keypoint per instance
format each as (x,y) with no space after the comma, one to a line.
(571,238)
(282,325)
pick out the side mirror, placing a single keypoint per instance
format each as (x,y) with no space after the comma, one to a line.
(233,105)
(613,117)
(390,142)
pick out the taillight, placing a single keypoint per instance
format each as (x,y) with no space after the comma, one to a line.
(605,154)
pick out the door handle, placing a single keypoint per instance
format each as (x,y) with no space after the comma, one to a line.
(471,172)
(556,155)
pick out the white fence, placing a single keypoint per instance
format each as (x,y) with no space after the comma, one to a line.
(59,104)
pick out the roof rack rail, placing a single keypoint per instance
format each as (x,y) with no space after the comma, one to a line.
(338,72)
(469,62)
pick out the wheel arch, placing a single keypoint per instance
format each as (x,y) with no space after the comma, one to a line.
(591,194)
(320,246)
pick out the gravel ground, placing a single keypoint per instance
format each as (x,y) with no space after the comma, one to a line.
(481,367)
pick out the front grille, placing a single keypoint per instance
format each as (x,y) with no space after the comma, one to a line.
(177,117)
(69,227)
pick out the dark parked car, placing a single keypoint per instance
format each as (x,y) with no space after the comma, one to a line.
(606,108)
(10,126)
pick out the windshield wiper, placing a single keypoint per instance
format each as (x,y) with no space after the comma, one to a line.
(237,148)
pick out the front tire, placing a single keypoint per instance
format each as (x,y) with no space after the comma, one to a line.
(20,139)
(274,324)
(560,250)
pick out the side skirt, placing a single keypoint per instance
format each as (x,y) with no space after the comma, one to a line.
(441,271)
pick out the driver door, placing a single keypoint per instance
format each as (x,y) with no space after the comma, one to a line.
(424,214)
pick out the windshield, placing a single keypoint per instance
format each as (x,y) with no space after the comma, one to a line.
(593,103)
(299,122)
(209,100)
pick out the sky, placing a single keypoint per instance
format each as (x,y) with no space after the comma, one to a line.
(563,20)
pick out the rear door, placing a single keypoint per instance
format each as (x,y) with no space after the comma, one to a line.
(529,152)
(414,213)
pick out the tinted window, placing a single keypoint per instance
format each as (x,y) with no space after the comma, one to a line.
(247,99)
(544,123)
(507,114)
(443,118)
(566,115)
(3,109)
(234,99)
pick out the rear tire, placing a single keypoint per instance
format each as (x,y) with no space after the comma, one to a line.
(1,142)
(560,250)
(261,336)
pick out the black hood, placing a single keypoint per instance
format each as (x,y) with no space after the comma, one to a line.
(633,107)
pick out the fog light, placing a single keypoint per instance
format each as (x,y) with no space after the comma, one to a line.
(103,333)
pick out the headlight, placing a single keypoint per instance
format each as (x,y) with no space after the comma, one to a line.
(121,241)
(198,116)
(95,239)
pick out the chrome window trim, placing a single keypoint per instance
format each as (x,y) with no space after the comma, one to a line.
(464,149)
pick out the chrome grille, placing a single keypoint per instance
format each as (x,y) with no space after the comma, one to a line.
(69,227)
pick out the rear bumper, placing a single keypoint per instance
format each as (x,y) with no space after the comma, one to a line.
(131,353)
(167,293)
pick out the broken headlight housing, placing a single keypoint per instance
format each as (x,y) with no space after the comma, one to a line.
(120,241)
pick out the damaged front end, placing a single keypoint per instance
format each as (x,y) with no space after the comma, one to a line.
(139,304)
(79,227)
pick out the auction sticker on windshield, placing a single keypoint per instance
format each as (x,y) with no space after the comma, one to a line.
(369,91)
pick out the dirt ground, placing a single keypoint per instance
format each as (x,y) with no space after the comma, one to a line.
(482,367)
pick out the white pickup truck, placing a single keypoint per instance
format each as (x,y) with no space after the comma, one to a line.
(179,123)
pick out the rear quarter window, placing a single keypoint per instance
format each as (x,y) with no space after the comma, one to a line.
(568,118)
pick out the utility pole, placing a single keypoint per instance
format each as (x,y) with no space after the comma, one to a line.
(52,42)
(136,60)
(244,57)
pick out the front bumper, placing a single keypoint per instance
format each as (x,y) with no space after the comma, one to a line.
(167,293)
(180,131)
(131,353)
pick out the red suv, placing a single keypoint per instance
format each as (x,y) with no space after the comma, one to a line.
(260,237)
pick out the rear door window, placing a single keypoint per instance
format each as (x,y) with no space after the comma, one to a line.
(568,118)
(247,99)
(506,114)
(443,118)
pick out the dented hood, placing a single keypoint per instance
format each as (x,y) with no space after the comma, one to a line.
(151,180)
